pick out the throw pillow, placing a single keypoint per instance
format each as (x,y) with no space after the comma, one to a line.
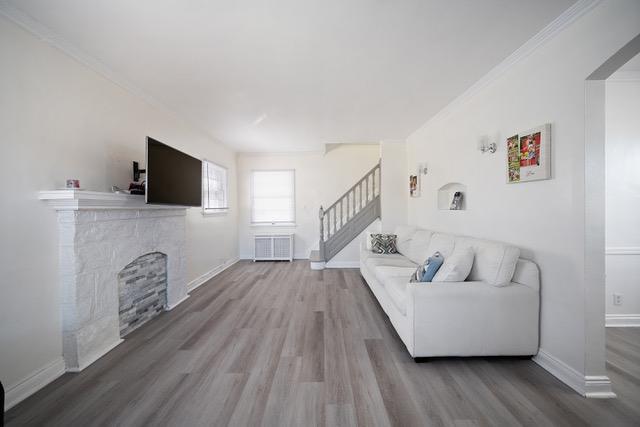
(428,269)
(368,240)
(456,267)
(383,243)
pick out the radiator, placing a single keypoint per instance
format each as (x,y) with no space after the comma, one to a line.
(273,247)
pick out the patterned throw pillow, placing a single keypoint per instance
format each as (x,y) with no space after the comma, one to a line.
(384,243)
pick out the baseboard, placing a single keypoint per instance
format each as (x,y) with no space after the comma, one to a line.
(342,264)
(177,303)
(588,386)
(95,356)
(195,283)
(622,321)
(34,382)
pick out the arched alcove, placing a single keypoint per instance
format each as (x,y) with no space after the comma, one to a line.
(446,192)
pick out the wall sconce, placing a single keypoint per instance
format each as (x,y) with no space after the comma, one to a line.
(485,146)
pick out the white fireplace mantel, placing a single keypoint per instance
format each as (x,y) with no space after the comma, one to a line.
(74,200)
(100,233)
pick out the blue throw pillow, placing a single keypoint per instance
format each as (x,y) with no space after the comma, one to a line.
(429,269)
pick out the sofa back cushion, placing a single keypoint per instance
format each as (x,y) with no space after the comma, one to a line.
(417,248)
(443,243)
(494,262)
(527,274)
(404,234)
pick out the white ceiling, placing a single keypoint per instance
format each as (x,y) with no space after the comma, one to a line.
(289,75)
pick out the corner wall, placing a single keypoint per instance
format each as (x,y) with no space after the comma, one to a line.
(546,219)
(60,119)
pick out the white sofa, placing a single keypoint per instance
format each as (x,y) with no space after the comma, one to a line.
(494,312)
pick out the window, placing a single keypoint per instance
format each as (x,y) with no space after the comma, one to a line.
(272,197)
(214,188)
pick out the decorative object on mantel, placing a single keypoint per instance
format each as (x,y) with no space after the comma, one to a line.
(529,155)
(487,147)
(73,183)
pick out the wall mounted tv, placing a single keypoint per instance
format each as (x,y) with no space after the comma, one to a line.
(172,177)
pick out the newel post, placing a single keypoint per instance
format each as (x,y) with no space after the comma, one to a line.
(321,245)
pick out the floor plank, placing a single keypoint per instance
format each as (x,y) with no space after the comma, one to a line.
(277,344)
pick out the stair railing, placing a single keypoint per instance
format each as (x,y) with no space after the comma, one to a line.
(347,206)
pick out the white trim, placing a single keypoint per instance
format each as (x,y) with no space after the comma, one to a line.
(623,250)
(622,320)
(34,382)
(199,281)
(563,21)
(205,176)
(342,264)
(73,200)
(624,77)
(588,386)
(47,35)
(177,303)
(95,356)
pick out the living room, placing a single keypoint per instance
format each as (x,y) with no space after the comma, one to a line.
(343,236)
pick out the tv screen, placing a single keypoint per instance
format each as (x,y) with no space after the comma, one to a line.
(172,177)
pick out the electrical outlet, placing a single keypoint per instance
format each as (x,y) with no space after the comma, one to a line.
(617,299)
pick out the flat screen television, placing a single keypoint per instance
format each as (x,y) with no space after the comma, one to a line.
(172,177)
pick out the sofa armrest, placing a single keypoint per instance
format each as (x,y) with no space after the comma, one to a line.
(457,315)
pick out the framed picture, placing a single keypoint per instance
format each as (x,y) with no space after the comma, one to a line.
(414,190)
(529,155)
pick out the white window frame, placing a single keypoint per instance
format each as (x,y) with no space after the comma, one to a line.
(291,223)
(205,191)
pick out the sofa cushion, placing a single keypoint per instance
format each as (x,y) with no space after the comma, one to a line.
(494,262)
(396,287)
(385,272)
(417,248)
(527,274)
(456,266)
(389,260)
(443,243)
(404,233)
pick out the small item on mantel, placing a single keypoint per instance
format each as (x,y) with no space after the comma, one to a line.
(137,188)
(73,184)
(118,190)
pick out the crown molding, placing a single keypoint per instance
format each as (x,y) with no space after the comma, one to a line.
(45,34)
(624,76)
(568,17)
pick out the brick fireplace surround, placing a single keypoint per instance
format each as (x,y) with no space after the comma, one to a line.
(100,234)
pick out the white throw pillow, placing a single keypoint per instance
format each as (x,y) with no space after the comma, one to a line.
(456,267)
(368,241)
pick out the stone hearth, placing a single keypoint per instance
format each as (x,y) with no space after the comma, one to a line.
(100,235)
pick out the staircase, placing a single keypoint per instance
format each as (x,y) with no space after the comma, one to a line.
(349,216)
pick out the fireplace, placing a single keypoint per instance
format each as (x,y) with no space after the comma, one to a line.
(121,263)
(142,291)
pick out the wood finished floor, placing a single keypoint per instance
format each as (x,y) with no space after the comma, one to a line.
(277,344)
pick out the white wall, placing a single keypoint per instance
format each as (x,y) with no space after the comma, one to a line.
(320,180)
(622,152)
(545,218)
(395,185)
(59,119)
